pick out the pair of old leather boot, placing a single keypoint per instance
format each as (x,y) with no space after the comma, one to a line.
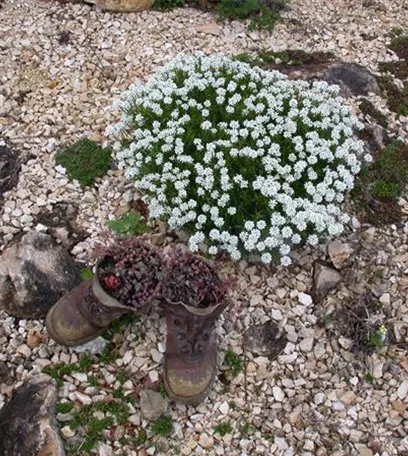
(190,361)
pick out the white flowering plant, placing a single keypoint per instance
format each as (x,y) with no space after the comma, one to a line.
(244,160)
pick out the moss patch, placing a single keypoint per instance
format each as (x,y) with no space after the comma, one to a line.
(380,186)
(84,161)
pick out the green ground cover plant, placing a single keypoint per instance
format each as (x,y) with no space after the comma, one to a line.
(129,224)
(162,426)
(233,362)
(380,185)
(84,160)
(262,14)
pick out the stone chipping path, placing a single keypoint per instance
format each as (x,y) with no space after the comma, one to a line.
(61,67)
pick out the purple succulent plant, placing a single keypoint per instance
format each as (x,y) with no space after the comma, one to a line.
(192,280)
(130,271)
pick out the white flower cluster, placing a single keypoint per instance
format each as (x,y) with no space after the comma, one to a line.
(246,160)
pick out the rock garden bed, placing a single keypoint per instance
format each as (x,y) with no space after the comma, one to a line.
(313,357)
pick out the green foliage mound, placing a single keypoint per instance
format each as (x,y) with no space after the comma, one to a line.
(84,160)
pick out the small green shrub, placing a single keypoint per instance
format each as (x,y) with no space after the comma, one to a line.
(64,407)
(223,429)
(264,14)
(141,438)
(86,273)
(129,224)
(369,378)
(84,160)
(166,5)
(247,428)
(162,426)
(377,338)
(396,31)
(233,362)
(238,9)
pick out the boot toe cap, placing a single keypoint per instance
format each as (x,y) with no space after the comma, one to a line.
(187,385)
(65,323)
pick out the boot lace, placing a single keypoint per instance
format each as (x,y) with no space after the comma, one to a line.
(192,335)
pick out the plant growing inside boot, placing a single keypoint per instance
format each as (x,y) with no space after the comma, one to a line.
(195,295)
(130,271)
(125,280)
(193,281)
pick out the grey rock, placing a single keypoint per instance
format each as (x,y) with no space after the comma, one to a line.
(61,223)
(339,253)
(325,279)
(34,274)
(265,340)
(27,422)
(352,78)
(95,346)
(152,404)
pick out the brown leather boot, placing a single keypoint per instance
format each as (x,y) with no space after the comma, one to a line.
(190,362)
(83,314)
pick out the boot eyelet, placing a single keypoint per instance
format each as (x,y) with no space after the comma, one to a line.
(184,349)
(199,347)
(181,336)
(206,336)
(177,322)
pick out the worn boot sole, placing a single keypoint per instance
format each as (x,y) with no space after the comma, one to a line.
(69,343)
(189,400)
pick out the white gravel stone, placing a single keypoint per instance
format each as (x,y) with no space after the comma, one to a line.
(305,299)
(83,398)
(81,377)
(306,345)
(224,408)
(319,398)
(402,391)
(278,393)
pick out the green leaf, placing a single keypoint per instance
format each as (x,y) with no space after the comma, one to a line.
(128,224)
(86,273)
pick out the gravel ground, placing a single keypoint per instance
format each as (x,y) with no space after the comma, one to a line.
(61,68)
